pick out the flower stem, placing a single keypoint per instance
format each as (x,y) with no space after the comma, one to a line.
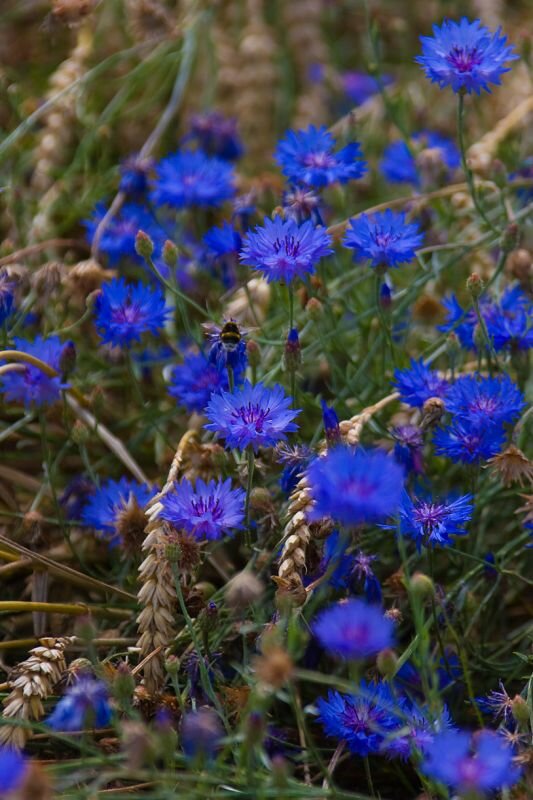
(251,464)
(290,293)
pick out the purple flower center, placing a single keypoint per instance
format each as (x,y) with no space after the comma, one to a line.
(321,160)
(429,516)
(464,59)
(129,314)
(252,414)
(470,771)
(356,719)
(289,244)
(209,506)
(384,239)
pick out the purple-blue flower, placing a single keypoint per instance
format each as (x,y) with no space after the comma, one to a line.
(431,522)
(7,295)
(465,55)
(461,441)
(125,311)
(418,383)
(471,763)
(13,769)
(223,241)
(418,729)
(284,250)
(134,174)
(482,400)
(355,486)
(308,157)
(363,719)
(353,629)
(359,86)
(192,179)
(118,239)
(206,510)
(103,509)
(408,447)
(216,135)
(385,239)
(201,733)
(194,381)
(399,164)
(85,704)
(252,416)
(28,384)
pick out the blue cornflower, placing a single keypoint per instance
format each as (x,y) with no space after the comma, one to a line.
(364,719)
(479,400)
(194,381)
(223,241)
(359,86)
(417,731)
(498,704)
(118,240)
(465,55)
(207,510)
(431,522)
(399,164)
(75,495)
(355,486)
(308,157)
(29,384)
(336,561)
(512,328)
(7,295)
(201,733)
(85,704)
(295,459)
(108,503)
(13,769)
(462,441)
(284,250)
(124,311)
(353,629)
(385,239)
(192,179)
(216,135)
(331,424)
(134,173)
(418,383)
(478,763)
(408,447)
(252,416)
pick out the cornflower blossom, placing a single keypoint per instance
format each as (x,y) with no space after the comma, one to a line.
(29,384)
(224,241)
(335,563)
(107,503)
(399,163)
(201,733)
(461,441)
(205,510)
(385,239)
(355,486)
(360,87)
(431,522)
(498,704)
(363,720)
(251,416)
(418,383)
(465,55)
(408,447)
(216,135)
(190,179)
(13,770)
(416,732)
(308,157)
(484,400)
(125,311)
(478,763)
(7,295)
(118,238)
(284,250)
(134,175)
(353,630)
(193,382)
(85,704)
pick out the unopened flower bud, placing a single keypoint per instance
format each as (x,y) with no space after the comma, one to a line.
(510,237)
(144,246)
(331,425)
(172,664)
(255,728)
(432,412)
(123,685)
(453,345)
(67,358)
(387,662)
(422,586)
(475,285)
(314,308)
(520,710)
(201,733)
(292,356)
(208,618)
(518,265)
(80,433)
(280,771)
(170,254)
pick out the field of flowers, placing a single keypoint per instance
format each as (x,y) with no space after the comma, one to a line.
(266,488)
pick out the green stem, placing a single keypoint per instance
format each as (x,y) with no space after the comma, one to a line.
(251,464)
(368,774)
(290,293)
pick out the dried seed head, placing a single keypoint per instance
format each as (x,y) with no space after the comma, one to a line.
(130,523)
(427,309)
(86,277)
(519,265)
(394,614)
(432,412)
(186,549)
(48,278)
(274,668)
(512,466)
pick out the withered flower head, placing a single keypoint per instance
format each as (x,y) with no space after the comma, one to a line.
(274,668)
(432,411)
(512,466)
(130,524)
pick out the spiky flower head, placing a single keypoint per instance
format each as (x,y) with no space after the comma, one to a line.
(189,179)
(13,770)
(216,135)
(462,441)
(471,763)
(385,239)
(29,384)
(84,704)
(308,157)
(104,511)
(206,510)
(355,486)
(465,55)
(353,629)
(477,399)
(284,250)
(431,522)
(193,382)
(118,238)
(252,416)
(123,312)
(7,295)
(418,383)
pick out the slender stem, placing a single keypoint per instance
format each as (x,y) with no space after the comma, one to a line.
(290,293)
(368,774)
(251,464)
(231,378)
(468,172)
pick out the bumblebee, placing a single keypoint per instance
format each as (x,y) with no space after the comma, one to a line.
(230,335)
